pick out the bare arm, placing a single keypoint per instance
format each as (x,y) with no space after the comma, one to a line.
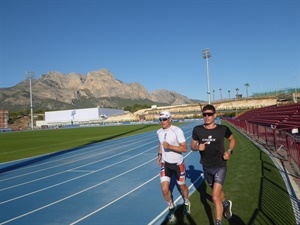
(181,148)
(231,146)
(159,154)
(196,146)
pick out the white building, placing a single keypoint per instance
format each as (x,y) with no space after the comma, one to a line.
(78,116)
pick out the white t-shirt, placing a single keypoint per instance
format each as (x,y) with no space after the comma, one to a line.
(173,135)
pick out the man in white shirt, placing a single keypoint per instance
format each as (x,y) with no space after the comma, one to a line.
(172,144)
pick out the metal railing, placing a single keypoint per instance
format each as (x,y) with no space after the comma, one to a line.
(273,138)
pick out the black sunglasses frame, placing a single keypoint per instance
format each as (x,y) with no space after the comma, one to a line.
(208,114)
(163,119)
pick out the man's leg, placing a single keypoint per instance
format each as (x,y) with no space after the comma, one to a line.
(165,187)
(218,198)
(185,193)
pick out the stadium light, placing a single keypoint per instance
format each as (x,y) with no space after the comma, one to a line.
(247,86)
(206,55)
(30,76)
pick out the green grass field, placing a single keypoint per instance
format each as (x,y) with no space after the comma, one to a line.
(253,183)
(18,145)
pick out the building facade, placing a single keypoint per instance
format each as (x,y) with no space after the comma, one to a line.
(78,116)
(3,118)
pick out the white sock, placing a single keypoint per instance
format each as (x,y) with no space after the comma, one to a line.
(186,201)
(171,205)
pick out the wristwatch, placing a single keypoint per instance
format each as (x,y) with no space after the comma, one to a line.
(230,151)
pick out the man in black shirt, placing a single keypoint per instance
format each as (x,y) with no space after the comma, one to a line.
(208,139)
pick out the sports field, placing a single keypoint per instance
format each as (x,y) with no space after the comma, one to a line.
(18,145)
(254,183)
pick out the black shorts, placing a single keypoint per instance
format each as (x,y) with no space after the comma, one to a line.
(215,175)
(168,169)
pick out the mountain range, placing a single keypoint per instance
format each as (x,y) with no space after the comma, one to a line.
(58,91)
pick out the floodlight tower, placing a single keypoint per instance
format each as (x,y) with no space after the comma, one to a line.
(206,55)
(30,76)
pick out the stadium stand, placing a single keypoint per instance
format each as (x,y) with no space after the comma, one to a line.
(276,127)
(284,117)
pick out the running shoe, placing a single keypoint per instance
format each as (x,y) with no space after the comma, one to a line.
(171,214)
(227,209)
(187,208)
(218,222)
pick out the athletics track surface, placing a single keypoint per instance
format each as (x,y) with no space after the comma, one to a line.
(110,182)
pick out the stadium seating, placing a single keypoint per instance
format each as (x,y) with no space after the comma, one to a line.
(282,117)
(276,127)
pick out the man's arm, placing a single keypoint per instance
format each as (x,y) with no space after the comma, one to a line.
(194,145)
(159,154)
(181,148)
(231,144)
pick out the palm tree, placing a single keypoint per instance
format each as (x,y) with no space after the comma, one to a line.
(220,93)
(247,85)
(213,95)
(229,94)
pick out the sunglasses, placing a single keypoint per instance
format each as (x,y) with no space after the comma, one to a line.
(207,114)
(163,119)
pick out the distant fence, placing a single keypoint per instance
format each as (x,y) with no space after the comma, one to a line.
(274,139)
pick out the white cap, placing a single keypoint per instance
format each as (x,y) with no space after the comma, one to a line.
(165,114)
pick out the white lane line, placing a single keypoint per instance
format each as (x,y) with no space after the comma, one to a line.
(191,187)
(75,178)
(176,201)
(117,199)
(81,171)
(70,196)
(53,203)
(123,152)
(59,165)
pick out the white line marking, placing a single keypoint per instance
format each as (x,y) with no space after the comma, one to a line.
(34,192)
(84,190)
(77,167)
(81,171)
(90,156)
(117,199)
(176,201)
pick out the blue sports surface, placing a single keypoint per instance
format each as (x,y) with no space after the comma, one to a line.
(111,182)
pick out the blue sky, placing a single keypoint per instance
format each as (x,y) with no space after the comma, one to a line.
(157,43)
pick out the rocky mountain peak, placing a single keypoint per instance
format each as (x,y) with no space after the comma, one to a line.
(56,90)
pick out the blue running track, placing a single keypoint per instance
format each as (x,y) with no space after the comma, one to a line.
(112,182)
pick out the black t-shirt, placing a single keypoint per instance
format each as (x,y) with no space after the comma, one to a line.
(212,156)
